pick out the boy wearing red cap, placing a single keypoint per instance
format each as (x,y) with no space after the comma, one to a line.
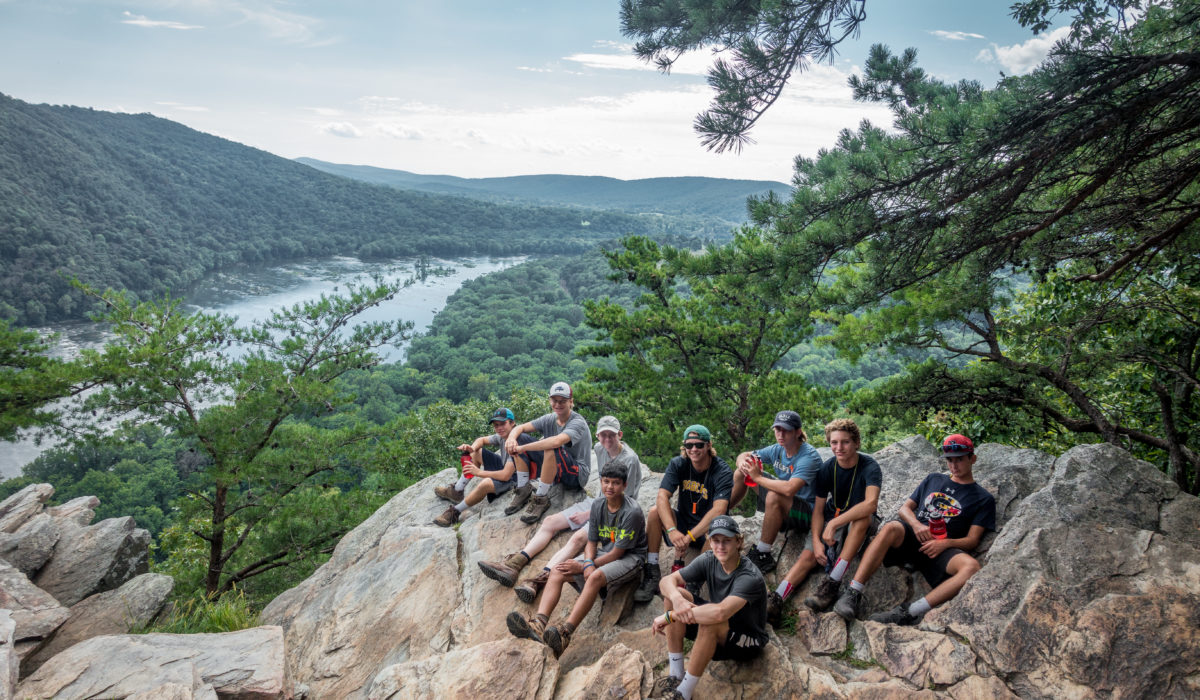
(943,520)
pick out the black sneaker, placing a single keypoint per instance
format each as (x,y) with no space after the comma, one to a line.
(848,603)
(648,588)
(520,495)
(824,596)
(774,609)
(763,560)
(898,615)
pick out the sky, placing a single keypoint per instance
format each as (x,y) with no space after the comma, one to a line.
(473,88)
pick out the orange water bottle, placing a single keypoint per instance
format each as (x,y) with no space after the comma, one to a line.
(465,461)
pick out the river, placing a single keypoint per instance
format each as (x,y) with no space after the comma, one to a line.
(251,295)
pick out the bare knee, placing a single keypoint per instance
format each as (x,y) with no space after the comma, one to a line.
(963,565)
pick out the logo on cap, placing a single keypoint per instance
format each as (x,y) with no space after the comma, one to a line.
(561,389)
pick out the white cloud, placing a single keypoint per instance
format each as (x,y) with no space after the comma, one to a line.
(400,132)
(343,129)
(179,106)
(955,35)
(534,70)
(690,63)
(142,21)
(1022,58)
(281,25)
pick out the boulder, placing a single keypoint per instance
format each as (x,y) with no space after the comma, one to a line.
(23,505)
(919,657)
(31,545)
(78,510)
(500,669)
(135,603)
(245,665)
(10,665)
(175,691)
(35,613)
(93,559)
(620,673)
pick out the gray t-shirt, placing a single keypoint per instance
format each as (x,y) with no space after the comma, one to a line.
(581,439)
(625,529)
(627,457)
(745,582)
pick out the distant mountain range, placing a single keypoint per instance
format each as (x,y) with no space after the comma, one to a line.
(700,196)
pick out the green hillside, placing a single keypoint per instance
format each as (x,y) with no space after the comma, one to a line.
(705,196)
(142,203)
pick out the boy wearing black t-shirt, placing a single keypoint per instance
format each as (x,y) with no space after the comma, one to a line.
(943,520)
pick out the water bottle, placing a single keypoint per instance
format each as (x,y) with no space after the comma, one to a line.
(465,461)
(937,527)
(753,458)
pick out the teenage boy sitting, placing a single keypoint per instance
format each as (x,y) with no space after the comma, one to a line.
(563,455)
(847,494)
(730,626)
(495,470)
(614,554)
(967,511)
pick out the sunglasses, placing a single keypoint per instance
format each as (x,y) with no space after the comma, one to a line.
(695,445)
(954,447)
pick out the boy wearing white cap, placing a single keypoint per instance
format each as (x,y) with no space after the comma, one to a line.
(566,454)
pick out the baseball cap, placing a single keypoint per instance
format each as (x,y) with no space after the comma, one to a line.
(699,431)
(957,445)
(561,389)
(608,423)
(501,414)
(724,525)
(788,420)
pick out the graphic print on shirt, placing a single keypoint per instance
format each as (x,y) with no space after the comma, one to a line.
(613,533)
(939,504)
(695,487)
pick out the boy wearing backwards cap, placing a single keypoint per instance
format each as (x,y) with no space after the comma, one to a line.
(565,451)
(968,510)
(495,469)
(731,626)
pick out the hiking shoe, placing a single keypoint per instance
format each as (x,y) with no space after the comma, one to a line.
(449,493)
(447,518)
(648,588)
(557,638)
(763,560)
(665,687)
(847,604)
(530,587)
(538,505)
(520,495)
(505,572)
(525,627)
(823,597)
(898,615)
(774,609)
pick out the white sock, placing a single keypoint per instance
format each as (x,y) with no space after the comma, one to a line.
(461,506)
(675,661)
(785,589)
(919,607)
(762,546)
(687,685)
(543,488)
(522,479)
(856,585)
(839,569)
(652,558)
(461,484)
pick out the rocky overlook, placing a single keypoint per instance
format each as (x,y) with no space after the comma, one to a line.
(1089,589)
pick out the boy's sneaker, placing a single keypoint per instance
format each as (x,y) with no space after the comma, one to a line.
(557,638)
(505,572)
(447,518)
(898,615)
(648,588)
(847,604)
(665,687)
(774,609)
(520,495)
(449,493)
(824,596)
(538,505)
(763,560)
(530,588)
(526,627)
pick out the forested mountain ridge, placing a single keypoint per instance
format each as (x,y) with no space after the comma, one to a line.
(133,201)
(706,196)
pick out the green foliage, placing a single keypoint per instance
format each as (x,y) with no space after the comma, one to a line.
(199,615)
(30,379)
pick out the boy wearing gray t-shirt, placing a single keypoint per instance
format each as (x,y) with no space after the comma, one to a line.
(566,455)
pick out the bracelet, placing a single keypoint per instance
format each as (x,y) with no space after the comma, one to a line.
(691,535)
(672,529)
(587,562)
(667,614)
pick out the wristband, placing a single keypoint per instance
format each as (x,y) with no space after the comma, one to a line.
(587,562)
(672,529)
(667,614)
(689,533)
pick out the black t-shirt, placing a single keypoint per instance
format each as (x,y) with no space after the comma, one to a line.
(697,490)
(843,489)
(962,505)
(744,582)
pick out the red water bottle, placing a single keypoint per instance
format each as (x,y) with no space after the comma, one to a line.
(753,458)
(937,527)
(465,461)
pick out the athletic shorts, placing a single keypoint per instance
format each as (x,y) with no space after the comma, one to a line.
(499,488)
(492,463)
(568,468)
(627,569)
(699,543)
(738,646)
(834,551)
(909,552)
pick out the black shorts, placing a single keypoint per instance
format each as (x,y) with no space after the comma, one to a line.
(909,553)
(798,518)
(737,646)
(684,528)
(568,468)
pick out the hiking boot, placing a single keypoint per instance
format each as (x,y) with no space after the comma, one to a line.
(665,687)
(847,605)
(505,572)
(823,597)
(648,588)
(520,495)
(774,609)
(526,627)
(447,518)
(449,493)
(763,560)
(557,638)
(530,588)
(898,615)
(538,505)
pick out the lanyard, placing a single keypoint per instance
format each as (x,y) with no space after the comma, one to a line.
(854,477)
